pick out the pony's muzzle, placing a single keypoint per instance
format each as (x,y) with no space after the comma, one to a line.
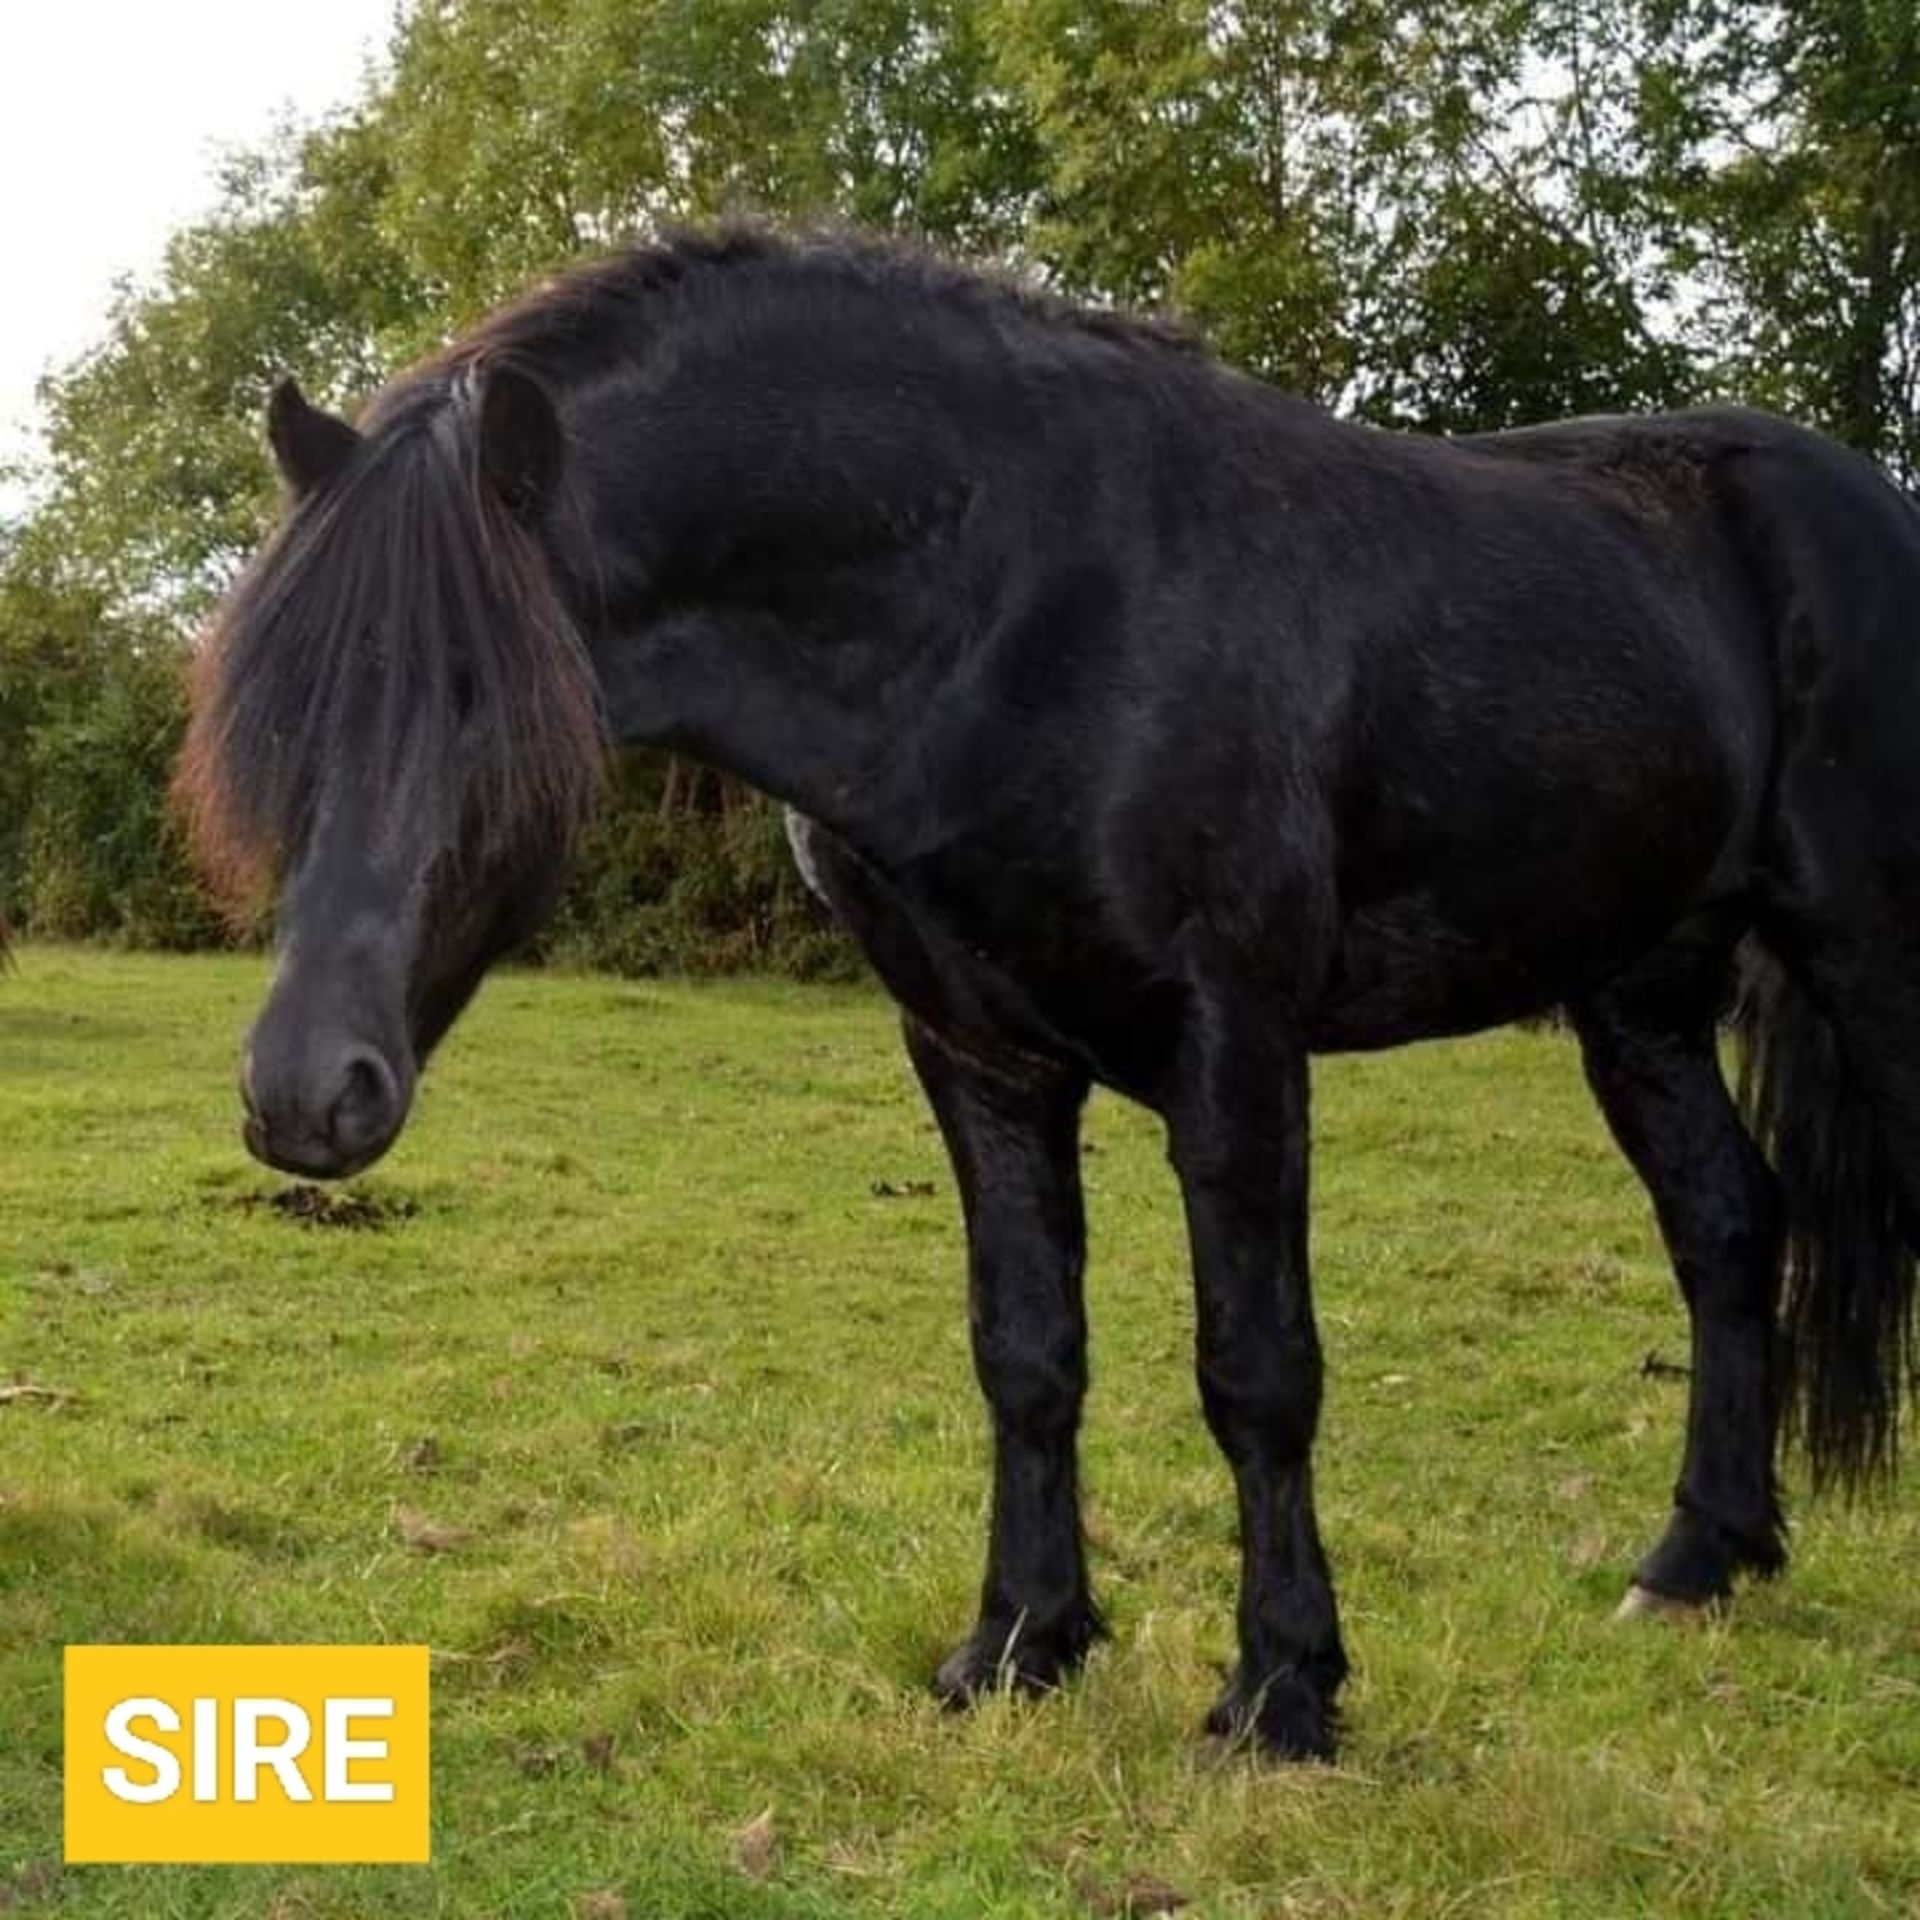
(328,1122)
(368,1109)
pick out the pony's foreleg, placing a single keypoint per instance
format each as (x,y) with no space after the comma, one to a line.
(1237,1133)
(1651,1061)
(1014,1140)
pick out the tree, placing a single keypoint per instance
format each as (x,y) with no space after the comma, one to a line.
(158,482)
(1791,139)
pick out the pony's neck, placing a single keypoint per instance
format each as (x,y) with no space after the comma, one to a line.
(787,563)
(747,694)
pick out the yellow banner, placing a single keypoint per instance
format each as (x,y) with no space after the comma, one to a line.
(268,1754)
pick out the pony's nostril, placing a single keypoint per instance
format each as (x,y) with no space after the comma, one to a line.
(367,1109)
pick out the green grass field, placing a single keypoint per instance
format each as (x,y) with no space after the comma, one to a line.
(686,1406)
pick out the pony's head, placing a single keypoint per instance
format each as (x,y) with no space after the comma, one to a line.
(395,734)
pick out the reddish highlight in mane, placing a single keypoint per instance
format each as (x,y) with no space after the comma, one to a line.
(400,631)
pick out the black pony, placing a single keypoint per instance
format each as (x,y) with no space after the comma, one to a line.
(1146,727)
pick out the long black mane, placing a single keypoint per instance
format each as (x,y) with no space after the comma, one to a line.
(400,630)
(604,310)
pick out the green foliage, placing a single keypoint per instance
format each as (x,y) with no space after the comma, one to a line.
(102,854)
(1516,319)
(522,131)
(665,888)
(1813,228)
(1450,217)
(91,708)
(46,645)
(158,479)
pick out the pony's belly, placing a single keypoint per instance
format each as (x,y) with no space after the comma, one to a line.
(1405,971)
(1531,892)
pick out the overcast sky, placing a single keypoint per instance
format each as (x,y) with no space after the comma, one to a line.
(113,118)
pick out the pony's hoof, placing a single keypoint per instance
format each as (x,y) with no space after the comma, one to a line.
(1013,1659)
(1287,1719)
(1642,1603)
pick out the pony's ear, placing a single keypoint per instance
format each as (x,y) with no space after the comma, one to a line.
(521,441)
(310,446)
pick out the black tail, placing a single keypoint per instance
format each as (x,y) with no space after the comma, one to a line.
(1848,1343)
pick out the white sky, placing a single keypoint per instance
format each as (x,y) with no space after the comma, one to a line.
(113,118)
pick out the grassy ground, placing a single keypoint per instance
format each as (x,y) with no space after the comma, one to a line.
(691,1405)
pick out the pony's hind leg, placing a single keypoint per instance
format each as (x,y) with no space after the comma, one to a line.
(1014,1140)
(1651,1059)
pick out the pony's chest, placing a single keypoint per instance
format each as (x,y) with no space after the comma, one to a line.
(991,970)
